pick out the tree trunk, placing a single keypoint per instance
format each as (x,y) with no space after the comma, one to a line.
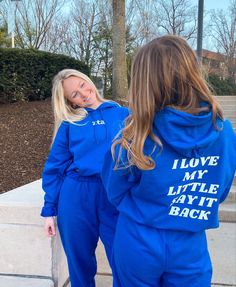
(119,77)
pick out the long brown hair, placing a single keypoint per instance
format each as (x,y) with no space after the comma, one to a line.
(165,73)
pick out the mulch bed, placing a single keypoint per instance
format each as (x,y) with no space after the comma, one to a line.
(25,138)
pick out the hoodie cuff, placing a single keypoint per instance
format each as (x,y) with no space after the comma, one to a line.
(48,211)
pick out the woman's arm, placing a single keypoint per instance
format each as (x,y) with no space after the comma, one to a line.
(58,161)
(118,182)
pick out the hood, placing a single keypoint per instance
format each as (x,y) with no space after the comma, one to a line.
(187,134)
(104,106)
(99,126)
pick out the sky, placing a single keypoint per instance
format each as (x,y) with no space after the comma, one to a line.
(215,4)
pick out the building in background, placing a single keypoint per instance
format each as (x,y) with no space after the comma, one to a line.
(215,64)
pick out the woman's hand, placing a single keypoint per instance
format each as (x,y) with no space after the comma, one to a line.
(50,227)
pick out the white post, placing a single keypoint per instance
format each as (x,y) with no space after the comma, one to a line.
(12,39)
(13,29)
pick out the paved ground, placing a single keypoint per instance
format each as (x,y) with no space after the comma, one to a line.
(222,246)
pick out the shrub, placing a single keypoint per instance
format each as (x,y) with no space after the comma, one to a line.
(27,74)
(222,87)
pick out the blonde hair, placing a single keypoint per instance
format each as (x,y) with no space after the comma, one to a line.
(165,73)
(63,111)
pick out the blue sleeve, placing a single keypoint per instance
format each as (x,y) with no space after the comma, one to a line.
(118,182)
(227,190)
(233,159)
(58,161)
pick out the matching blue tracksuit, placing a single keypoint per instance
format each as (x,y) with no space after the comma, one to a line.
(160,239)
(74,191)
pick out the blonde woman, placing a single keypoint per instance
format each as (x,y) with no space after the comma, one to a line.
(174,164)
(85,125)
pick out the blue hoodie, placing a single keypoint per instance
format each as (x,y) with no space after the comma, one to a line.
(193,173)
(80,147)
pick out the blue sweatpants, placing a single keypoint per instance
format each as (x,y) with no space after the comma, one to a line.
(149,257)
(84,215)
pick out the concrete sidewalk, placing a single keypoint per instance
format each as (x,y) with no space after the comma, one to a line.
(222,246)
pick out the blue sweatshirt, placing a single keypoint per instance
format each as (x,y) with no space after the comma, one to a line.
(80,147)
(193,173)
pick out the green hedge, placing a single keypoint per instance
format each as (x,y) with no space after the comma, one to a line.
(222,87)
(27,74)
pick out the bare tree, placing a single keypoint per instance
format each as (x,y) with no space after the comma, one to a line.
(58,37)
(3,12)
(103,48)
(224,33)
(4,39)
(84,22)
(144,23)
(33,20)
(141,20)
(119,82)
(177,17)
(152,18)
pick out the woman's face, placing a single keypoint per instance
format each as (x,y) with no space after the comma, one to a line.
(80,93)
